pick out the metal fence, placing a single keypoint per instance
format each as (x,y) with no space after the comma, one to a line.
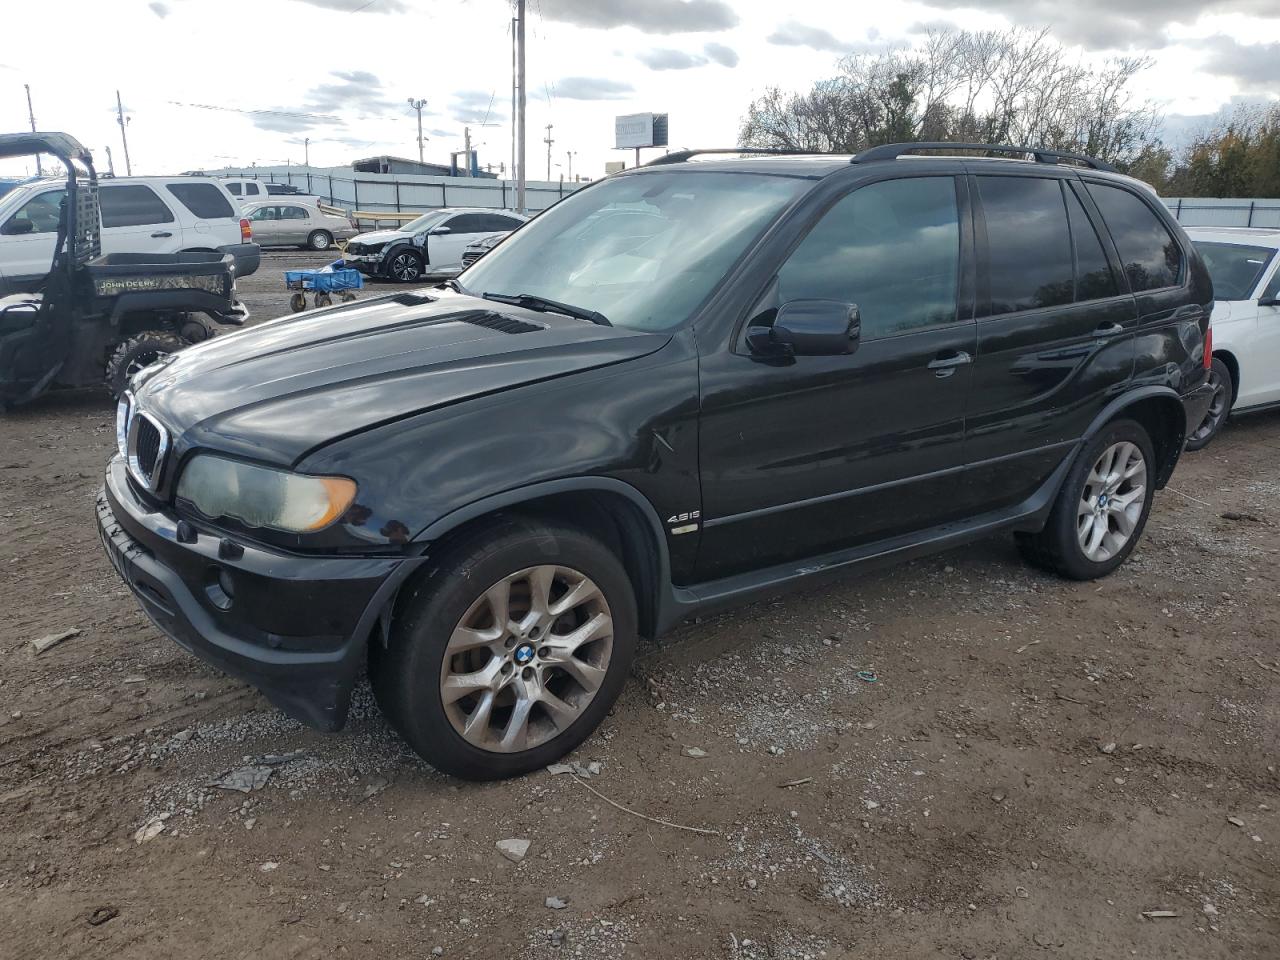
(406,193)
(1233,212)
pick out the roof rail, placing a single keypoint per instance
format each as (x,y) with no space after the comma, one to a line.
(680,156)
(892,151)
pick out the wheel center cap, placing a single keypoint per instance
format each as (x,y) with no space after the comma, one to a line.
(523,654)
(1102,500)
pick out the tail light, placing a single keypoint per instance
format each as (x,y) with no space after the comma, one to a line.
(246,231)
(1208,348)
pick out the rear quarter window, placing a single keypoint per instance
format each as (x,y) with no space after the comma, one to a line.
(204,200)
(1151,256)
(131,205)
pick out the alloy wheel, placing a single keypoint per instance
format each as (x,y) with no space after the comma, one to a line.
(1217,411)
(526,659)
(404,266)
(1112,502)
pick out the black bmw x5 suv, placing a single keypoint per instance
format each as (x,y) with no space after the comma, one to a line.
(680,388)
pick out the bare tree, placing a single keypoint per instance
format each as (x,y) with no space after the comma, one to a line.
(1014,86)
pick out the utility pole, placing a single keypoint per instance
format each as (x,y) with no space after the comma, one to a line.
(466,147)
(569,154)
(548,141)
(418,105)
(306,152)
(520,107)
(513,96)
(32,114)
(124,139)
(111,167)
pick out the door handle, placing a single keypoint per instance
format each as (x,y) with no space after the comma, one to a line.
(162,233)
(1109,330)
(946,366)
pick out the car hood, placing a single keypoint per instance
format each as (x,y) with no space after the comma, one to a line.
(381,236)
(277,391)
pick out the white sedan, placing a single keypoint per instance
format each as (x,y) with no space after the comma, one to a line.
(1245,266)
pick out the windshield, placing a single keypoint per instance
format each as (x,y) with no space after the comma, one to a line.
(424,221)
(643,250)
(1234,267)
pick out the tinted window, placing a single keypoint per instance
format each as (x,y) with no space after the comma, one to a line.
(1234,267)
(497,224)
(131,205)
(1148,250)
(203,199)
(41,212)
(1272,289)
(893,248)
(468,223)
(1028,242)
(251,190)
(1094,279)
(293,213)
(233,189)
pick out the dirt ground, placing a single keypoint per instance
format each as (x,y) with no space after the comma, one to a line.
(1037,765)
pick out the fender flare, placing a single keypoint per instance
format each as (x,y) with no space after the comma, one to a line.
(387,252)
(1127,400)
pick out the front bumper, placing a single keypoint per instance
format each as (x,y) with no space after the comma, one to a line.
(295,626)
(248,257)
(370,264)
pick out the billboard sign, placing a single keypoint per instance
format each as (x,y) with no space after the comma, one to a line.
(640,130)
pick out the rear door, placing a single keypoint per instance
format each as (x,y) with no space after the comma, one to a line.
(1055,328)
(211,221)
(295,223)
(27,239)
(826,452)
(265,221)
(136,220)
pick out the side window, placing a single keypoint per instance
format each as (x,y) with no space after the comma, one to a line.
(1094,279)
(1029,246)
(1272,289)
(293,213)
(204,200)
(468,223)
(131,205)
(496,223)
(251,190)
(1151,256)
(40,211)
(264,213)
(233,188)
(893,248)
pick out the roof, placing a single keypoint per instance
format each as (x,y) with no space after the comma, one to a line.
(61,145)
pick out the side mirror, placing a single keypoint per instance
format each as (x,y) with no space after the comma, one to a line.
(16,227)
(1269,302)
(439,231)
(808,328)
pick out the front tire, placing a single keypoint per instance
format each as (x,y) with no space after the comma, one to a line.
(510,652)
(1224,389)
(1102,508)
(406,265)
(135,353)
(319,240)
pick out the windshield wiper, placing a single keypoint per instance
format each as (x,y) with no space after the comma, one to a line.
(532,302)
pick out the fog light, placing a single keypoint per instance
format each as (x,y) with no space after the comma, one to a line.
(220,588)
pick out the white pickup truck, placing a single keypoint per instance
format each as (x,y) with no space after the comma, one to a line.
(139,215)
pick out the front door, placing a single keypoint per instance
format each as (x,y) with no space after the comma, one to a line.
(826,452)
(27,240)
(1260,365)
(444,250)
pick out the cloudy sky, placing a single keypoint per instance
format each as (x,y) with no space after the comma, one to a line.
(208,83)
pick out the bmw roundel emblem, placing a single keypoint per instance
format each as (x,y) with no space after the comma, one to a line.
(523,654)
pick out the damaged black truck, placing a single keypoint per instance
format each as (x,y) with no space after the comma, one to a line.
(98,319)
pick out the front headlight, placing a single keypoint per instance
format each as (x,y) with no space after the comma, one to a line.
(263,497)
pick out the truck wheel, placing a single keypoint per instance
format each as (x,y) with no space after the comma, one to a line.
(510,652)
(320,240)
(406,265)
(138,351)
(1102,507)
(1219,407)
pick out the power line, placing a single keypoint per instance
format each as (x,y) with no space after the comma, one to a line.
(259,113)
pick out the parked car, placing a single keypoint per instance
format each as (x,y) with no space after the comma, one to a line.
(139,215)
(1245,267)
(429,247)
(478,248)
(682,387)
(298,224)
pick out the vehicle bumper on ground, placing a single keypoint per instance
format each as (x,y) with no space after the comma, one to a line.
(248,257)
(370,264)
(294,626)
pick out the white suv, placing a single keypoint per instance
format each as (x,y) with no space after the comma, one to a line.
(1245,267)
(139,215)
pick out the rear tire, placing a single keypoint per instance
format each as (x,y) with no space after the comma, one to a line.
(1102,508)
(1224,389)
(135,353)
(475,615)
(319,240)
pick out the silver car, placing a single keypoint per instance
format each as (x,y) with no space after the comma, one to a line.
(295,223)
